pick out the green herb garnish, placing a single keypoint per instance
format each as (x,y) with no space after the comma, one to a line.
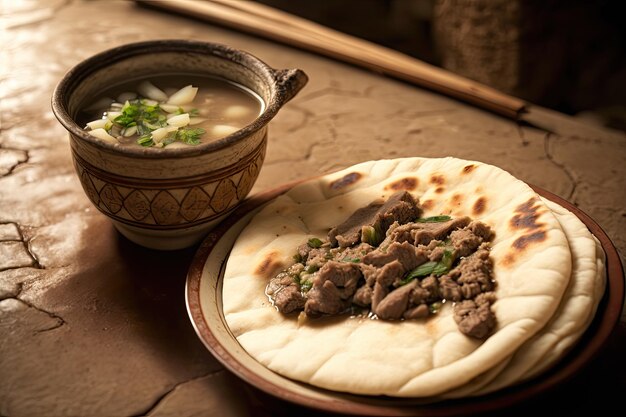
(348,259)
(445,264)
(314,243)
(431,267)
(434,219)
(189,135)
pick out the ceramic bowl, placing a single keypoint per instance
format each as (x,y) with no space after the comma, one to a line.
(170,198)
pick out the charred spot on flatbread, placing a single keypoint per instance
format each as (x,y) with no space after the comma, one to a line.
(479,207)
(457,199)
(269,265)
(526,219)
(527,215)
(439,190)
(427,204)
(437,179)
(467,169)
(523,242)
(407,183)
(346,180)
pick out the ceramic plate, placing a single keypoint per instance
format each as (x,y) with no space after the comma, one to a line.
(204,304)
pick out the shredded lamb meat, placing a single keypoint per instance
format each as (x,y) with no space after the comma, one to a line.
(387,259)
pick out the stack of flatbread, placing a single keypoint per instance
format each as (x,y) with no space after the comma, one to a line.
(548,267)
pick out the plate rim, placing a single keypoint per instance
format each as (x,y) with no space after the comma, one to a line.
(602,326)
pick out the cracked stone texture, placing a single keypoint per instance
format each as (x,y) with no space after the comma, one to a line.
(91,324)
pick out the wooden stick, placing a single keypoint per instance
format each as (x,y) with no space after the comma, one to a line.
(265,21)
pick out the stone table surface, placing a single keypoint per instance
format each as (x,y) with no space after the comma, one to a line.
(93,325)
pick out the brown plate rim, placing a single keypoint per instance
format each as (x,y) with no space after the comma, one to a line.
(590,344)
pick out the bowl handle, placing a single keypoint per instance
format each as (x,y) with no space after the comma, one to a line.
(289,81)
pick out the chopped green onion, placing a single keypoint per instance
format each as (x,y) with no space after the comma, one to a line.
(371,235)
(312,269)
(348,259)
(305,286)
(434,219)
(314,243)
(297,258)
(145,140)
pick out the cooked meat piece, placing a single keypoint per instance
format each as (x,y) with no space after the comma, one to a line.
(378,293)
(318,257)
(464,241)
(401,207)
(418,296)
(363,296)
(481,229)
(324,299)
(416,312)
(289,299)
(345,276)
(424,233)
(486,297)
(470,290)
(449,289)
(354,254)
(284,278)
(436,253)
(303,250)
(386,275)
(369,273)
(474,274)
(474,320)
(431,285)
(395,303)
(409,256)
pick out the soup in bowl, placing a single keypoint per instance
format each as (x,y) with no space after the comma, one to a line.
(168,136)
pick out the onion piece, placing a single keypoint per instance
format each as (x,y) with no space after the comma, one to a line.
(99,124)
(148,102)
(236,111)
(160,134)
(169,108)
(129,131)
(196,120)
(102,134)
(223,130)
(111,115)
(183,96)
(179,120)
(147,89)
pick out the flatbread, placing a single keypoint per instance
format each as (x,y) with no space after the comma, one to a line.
(569,322)
(413,358)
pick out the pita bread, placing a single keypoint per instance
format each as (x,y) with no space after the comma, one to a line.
(569,322)
(409,358)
